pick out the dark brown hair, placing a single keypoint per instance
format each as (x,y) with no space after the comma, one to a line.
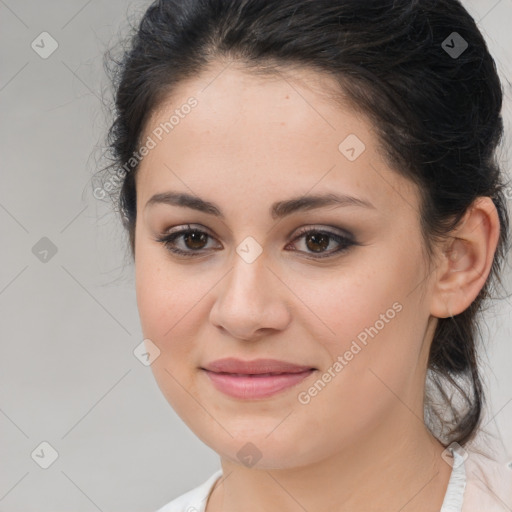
(433,96)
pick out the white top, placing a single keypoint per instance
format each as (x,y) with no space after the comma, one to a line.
(476,484)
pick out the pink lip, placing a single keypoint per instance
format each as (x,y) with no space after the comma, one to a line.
(256,366)
(259,378)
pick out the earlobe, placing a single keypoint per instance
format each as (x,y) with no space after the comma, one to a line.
(467,260)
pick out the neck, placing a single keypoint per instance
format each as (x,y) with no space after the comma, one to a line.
(390,469)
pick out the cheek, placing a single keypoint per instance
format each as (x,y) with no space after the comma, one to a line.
(164,294)
(371,324)
(165,302)
(359,302)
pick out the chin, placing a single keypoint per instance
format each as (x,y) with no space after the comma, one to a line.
(259,450)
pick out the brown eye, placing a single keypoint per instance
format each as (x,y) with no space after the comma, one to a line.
(318,240)
(193,241)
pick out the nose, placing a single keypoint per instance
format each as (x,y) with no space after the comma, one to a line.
(251,301)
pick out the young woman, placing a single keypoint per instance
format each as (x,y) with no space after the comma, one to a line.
(316,215)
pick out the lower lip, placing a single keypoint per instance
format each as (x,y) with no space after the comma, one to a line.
(253,386)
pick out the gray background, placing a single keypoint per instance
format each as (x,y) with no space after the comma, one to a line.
(69,325)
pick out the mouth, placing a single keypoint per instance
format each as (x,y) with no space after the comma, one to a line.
(255,379)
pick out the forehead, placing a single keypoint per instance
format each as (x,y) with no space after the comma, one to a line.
(269,132)
(237,101)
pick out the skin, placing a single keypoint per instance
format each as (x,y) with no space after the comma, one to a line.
(360,444)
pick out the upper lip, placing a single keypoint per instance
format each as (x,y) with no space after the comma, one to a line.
(254,367)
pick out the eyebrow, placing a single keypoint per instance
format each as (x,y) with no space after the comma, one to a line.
(278,210)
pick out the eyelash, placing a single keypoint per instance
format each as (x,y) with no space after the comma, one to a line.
(168,241)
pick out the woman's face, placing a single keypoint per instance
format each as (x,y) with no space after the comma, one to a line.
(252,286)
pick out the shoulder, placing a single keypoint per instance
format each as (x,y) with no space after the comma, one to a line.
(488,484)
(193,500)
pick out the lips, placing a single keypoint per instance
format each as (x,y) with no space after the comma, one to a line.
(254,367)
(259,378)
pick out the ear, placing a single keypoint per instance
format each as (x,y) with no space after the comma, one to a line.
(466,260)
